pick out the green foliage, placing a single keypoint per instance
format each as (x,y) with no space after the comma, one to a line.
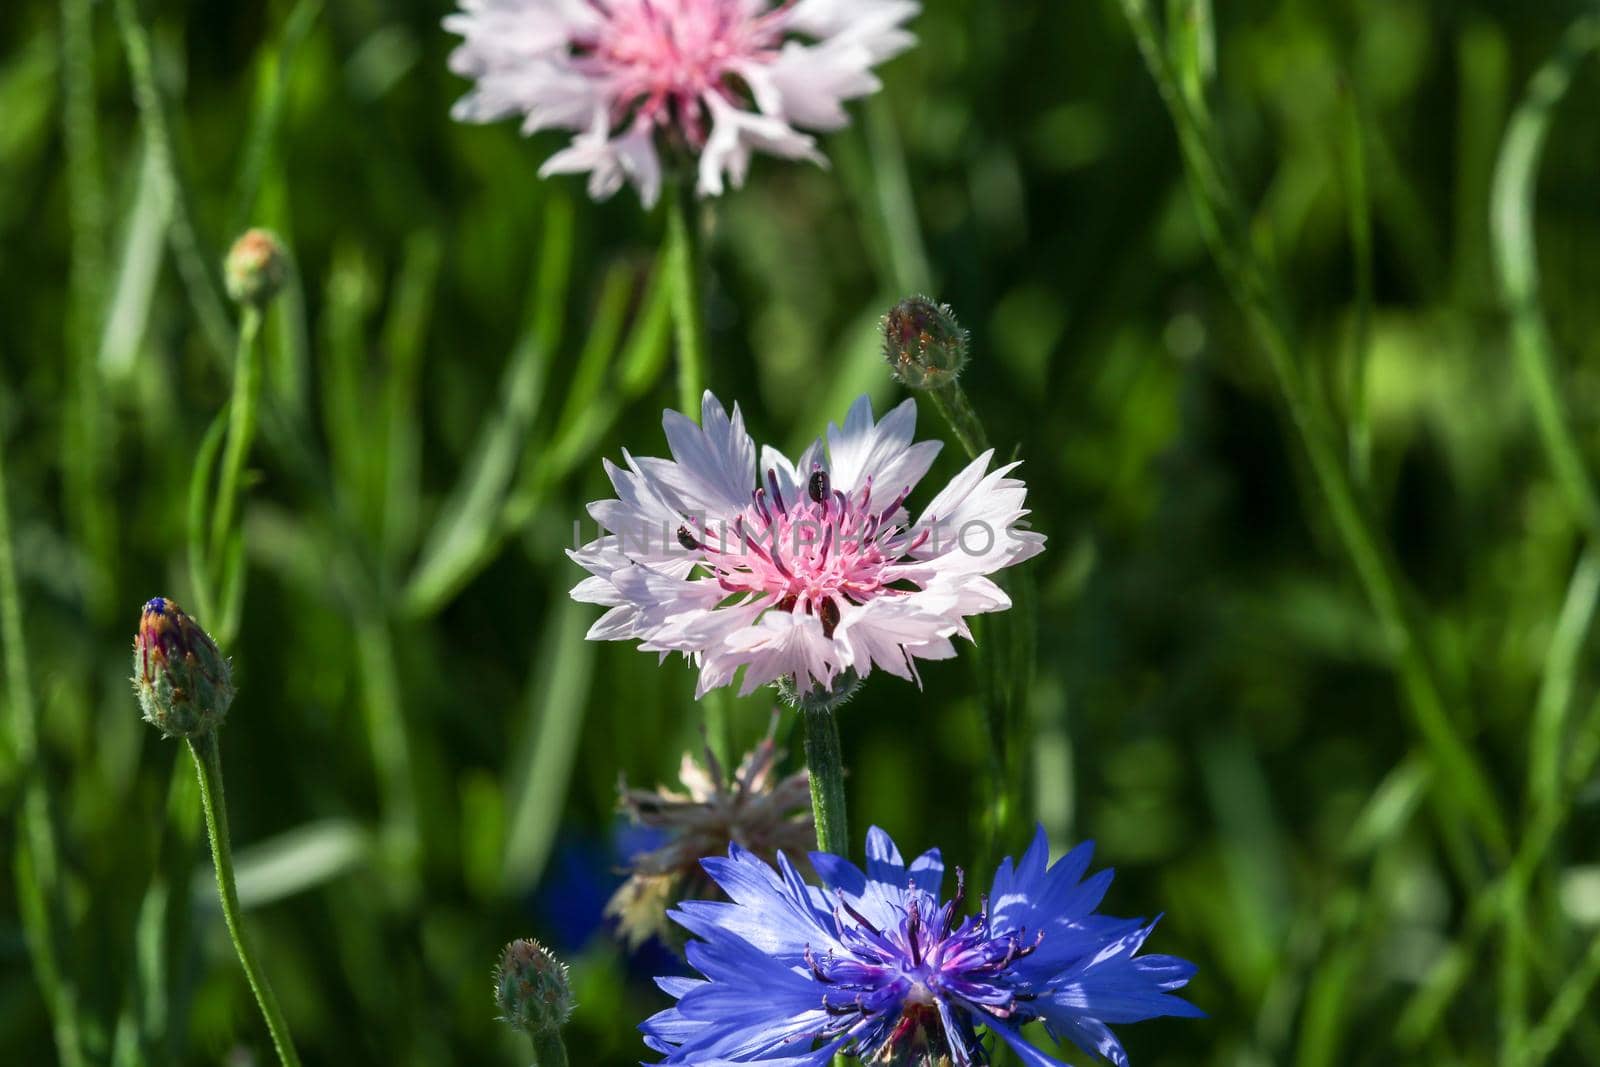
(1297,339)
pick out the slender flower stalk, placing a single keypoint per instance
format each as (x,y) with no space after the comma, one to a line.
(253,273)
(927,349)
(687,271)
(208,765)
(241,432)
(825,760)
(185,686)
(686,281)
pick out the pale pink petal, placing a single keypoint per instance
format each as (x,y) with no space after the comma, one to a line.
(798,571)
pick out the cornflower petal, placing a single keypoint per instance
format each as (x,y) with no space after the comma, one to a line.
(713,80)
(875,965)
(799,571)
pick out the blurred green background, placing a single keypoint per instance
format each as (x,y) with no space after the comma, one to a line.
(423,758)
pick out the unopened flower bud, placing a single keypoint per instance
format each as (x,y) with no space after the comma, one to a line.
(256,267)
(184,682)
(924,344)
(532,988)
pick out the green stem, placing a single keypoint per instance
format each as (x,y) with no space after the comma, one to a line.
(688,296)
(826,763)
(208,765)
(956,410)
(1006,649)
(549,1050)
(40,894)
(241,433)
(686,282)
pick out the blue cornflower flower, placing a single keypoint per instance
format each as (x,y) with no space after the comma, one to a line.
(877,966)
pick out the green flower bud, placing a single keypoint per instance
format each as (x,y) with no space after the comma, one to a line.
(924,344)
(532,988)
(256,267)
(184,683)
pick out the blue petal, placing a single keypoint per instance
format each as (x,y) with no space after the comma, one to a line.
(779,912)
(1118,987)
(1095,1038)
(676,987)
(882,855)
(1012,1035)
(891,884)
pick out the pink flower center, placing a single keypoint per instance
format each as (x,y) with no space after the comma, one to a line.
(663,56)
(812,554)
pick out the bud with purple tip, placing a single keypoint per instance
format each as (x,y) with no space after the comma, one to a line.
(183,680)
(923,343)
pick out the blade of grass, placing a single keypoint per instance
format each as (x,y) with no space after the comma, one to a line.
(1572,1001)
(85,440)
(1358,219)
(599,348)
(41,879)
(1250,279)
(465,534)
(1517,267)
(295,861)
(194,264)
(273,66)
(404,337)
(384,712)
(639,366)
(542,758)
(138,271)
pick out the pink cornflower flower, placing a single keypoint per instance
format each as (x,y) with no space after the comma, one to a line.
(803,571)
(712,79)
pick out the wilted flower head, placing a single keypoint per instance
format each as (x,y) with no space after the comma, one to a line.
(532,988)
(183,681)
(712,80)
(805,570)
(756,810)
(877,966)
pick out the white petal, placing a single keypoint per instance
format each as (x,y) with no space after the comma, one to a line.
(881,451)
(807,85)
(734,133)
(877,24)
(717,459)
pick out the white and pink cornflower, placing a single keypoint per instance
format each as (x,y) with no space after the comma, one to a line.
(809,572)
(709,80)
